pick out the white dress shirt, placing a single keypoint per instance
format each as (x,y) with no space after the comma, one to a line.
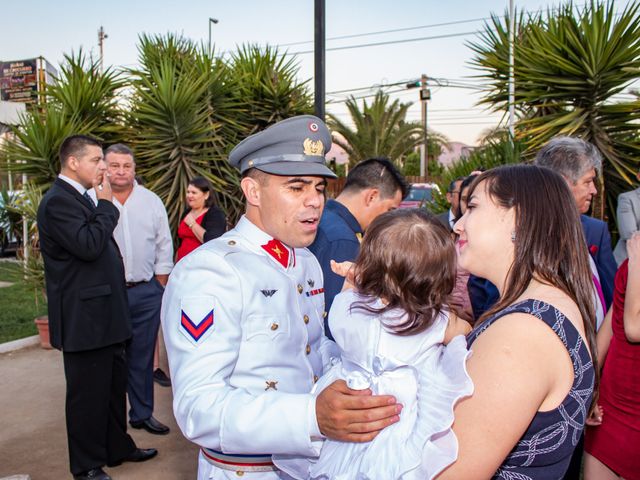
(143,235)
(81,190)
(452,219)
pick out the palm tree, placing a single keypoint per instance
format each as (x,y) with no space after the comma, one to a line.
(380,130)
(571,66)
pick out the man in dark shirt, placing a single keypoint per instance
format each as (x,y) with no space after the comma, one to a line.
(373,187)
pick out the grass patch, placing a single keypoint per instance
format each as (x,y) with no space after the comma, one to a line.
(18,304)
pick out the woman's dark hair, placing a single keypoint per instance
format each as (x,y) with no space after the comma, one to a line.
(408,259)
(204,186)
(549,241)
(466,182)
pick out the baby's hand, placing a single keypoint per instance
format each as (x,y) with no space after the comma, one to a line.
(341,268)
(344,269)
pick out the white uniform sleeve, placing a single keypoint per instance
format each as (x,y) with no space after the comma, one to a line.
(208,408)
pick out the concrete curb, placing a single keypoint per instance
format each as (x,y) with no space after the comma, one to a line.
(19,345)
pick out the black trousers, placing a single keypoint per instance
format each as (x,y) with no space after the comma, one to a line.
(96,407)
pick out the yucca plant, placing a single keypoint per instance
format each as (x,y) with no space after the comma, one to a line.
(571,65)
(90,95)
(188,110)
(25,206)
(175,122)
(34,148)
(380,130)
(266,83)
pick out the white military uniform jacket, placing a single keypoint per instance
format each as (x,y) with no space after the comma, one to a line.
(242,318)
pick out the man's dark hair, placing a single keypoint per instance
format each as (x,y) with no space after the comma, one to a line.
(119,148)
(74,145)
(377,173)
(452,184)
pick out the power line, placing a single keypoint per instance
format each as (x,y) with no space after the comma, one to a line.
(390,42)
(419,27)
(395,30)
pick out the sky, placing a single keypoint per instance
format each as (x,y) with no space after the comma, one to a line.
(32,28)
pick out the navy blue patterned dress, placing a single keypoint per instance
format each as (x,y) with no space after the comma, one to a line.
(545,449)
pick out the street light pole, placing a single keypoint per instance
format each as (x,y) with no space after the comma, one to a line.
(211,20)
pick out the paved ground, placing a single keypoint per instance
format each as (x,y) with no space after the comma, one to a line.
(32,433)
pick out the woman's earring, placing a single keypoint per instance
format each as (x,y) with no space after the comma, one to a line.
(513,236)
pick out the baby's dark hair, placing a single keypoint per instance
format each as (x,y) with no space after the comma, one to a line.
(408,259)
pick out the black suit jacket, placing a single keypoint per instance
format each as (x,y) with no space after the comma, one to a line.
(84,274)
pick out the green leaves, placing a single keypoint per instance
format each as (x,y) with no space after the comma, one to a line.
(265,82)
(570,67)
(188,110)
(380,130)
(81,100)
(181,111)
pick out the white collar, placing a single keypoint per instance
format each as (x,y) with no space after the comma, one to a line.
(81,190)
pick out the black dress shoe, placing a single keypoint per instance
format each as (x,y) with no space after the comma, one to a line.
(93,474)
(138,455)
(151,425)
(161,378)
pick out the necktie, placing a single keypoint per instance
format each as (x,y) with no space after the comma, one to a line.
(89,199)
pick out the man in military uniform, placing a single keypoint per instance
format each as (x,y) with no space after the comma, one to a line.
(243,320)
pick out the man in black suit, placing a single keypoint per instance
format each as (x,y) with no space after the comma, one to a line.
(88,312)
(453,197)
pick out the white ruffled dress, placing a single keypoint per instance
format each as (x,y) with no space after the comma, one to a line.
(424,375)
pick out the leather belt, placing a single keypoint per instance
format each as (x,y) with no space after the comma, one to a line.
(239,463)
(135,284)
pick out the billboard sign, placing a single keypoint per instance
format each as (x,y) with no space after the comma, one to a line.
(19,81)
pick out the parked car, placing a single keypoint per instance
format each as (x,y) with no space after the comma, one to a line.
(419,195)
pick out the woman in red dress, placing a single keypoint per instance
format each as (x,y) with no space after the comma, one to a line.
(202,221)
(612,443)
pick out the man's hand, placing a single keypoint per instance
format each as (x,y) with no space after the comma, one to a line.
(102,186)
(354,415)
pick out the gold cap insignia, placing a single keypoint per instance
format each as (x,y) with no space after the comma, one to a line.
(313,147)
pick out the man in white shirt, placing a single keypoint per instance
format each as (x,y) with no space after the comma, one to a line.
(144,239)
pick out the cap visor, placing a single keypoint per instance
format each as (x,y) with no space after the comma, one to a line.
(289,169)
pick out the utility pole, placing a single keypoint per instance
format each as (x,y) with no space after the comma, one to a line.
(425,95)
(101,37)
(319,57)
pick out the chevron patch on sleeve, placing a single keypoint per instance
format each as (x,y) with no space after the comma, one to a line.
(197,318)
